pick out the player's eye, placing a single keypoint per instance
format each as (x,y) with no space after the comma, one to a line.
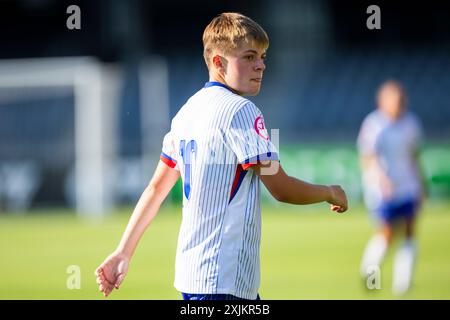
(250,57)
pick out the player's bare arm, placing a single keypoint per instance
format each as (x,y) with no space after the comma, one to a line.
(288,189)
(112,271)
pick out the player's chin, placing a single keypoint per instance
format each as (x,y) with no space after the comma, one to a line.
(253,90)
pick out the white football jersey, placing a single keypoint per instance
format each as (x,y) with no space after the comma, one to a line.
(214,139)
(395,143)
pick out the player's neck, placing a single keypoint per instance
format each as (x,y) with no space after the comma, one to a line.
(215,77)
(220,79)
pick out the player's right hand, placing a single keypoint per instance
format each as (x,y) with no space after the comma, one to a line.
(338,199)
(111,273)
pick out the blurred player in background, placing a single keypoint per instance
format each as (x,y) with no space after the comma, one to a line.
(219,145)
(388,145)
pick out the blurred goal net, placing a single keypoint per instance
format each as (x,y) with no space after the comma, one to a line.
(58,124)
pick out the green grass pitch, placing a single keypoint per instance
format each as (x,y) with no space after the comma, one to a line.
(307,252)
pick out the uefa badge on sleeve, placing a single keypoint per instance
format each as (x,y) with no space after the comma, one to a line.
(260,128)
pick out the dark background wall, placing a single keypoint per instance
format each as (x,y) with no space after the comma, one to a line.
(323,68)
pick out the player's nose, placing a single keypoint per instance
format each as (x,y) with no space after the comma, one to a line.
(260,65)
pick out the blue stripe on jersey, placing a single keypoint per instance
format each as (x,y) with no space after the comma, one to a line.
(215,83)
(168,160)
(167,157)
(240,174)
(262,157)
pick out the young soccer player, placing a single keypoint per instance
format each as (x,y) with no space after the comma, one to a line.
(388,144)
(220,147)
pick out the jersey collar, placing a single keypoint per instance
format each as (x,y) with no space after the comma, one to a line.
(218,84)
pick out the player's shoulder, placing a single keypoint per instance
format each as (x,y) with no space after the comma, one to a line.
(413,122)
(372,118)
(216,101)
(186,107)
(374,115)
(230,104)
(232,100)
(246,105)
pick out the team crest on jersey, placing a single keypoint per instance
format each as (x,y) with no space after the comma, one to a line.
(260,128)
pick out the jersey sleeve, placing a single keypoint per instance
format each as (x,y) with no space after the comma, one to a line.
(169,152)
(248,137)
(366,142)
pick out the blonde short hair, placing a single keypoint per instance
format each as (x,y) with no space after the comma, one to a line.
(228,30)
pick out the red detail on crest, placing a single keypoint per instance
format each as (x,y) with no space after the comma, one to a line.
(260,128)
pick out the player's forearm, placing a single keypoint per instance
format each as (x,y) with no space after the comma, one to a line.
(143,214)
(296,191)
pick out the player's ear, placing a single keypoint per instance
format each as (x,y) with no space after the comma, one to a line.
(219,63)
